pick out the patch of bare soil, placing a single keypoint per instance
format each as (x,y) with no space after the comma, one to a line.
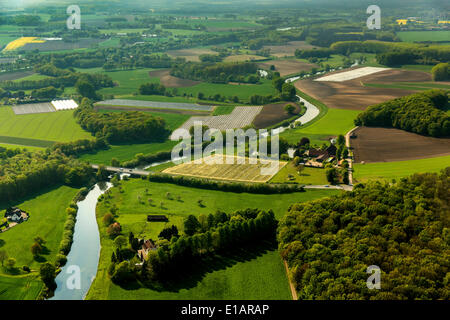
(373,144)
(272,114)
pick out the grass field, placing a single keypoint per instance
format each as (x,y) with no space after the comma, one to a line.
(243,91)
(234,171)
(47,217)
(127,152)
(129,81)
(26,287)
(34,76)
(413,36)
(55,126)
(398,169)
(17,146)
(239,280)
(333,123)
(307,176)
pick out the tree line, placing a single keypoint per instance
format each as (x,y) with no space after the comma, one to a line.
(402,228)
(120,127)
(222,232)
(422,113)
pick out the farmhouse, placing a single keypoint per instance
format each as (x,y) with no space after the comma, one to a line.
(318,156)
(14,214)
(157,218)
(147,245)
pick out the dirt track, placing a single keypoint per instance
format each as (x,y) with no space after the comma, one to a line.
(170,81)
(387,144)
(354,95)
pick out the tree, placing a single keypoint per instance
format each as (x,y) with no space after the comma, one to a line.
(115,162)
(278,83)
(108,219)
(39,240)
(86,89)
(191,225)
(441,72)
(120,242)
(48,274)
(10,263)
(3,256)
(169,232)
(289,109)
(331,175)
(36,249)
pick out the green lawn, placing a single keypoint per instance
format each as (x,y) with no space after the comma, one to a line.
(127,152)
(412,36)
(398,169)
(34,76)
(307,176)
(239,280)
(26,287)
(333,123)
(53,126)
(47,217)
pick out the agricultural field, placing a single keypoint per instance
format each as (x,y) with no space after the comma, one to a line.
(288,66)
(288,49)
(351,74)
(244,57)
(307,176)
(274,113)
(190,54)
(170,81)
(47,212)
(353,94)
(236,171)
(15,75)
(21,42)
(425,36)
(332,124)
(397,169)
(126,152)
(18,146)
(128,81)
(236,279)
(153,105)
(240,117)
(54,126)
(389,144)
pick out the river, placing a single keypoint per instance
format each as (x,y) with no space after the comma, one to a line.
(85,251)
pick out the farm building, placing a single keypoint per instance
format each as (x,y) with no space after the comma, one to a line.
(147,245)
(157,218)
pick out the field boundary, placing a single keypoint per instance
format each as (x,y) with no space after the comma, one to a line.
(291,285)
(27,142)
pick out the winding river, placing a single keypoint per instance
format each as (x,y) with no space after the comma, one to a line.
(85,251)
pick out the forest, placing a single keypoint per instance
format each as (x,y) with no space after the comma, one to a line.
(244,72)
(422,113)
(402,228)
(120,127)
(25,173)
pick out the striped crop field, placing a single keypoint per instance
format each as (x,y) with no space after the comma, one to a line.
(212,167)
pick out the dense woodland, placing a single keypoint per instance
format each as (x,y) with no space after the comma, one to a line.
(218,72)
(25,173)
(422,113)
(120,127)
(402,228)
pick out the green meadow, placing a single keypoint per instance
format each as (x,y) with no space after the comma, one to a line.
(53,126)
(47,212)
(306,176)
(417,36)
(333,123)
(398,169)
(128,81)
(25,287)
(226,278)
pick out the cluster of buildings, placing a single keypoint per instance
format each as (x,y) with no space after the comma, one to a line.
(318,157)
(13,216)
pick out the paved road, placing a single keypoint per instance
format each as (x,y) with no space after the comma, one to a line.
(136,172)
(326,186)
(350,158)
